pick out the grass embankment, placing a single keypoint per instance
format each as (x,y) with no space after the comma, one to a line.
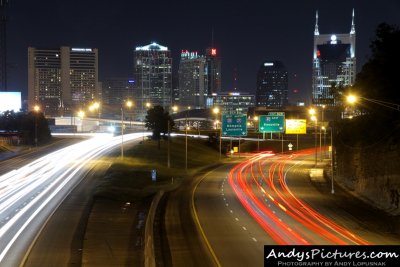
(3,149)
(130,179)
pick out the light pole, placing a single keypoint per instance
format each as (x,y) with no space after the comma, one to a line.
(174,110)
(186,146)
(128,104)
(148,105)
(256,129)
(36,108)
(332,188)
(216,111)
(314,118)
(324,129)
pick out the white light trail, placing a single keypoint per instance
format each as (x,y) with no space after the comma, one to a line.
(35,188)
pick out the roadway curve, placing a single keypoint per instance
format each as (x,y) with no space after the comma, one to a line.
(269,199)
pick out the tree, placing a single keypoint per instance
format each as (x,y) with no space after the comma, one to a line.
(157,120)
(25,124)
(378,78)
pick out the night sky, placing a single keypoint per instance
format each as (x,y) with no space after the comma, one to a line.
(246,33)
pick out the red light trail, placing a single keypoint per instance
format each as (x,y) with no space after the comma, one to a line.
(260,185)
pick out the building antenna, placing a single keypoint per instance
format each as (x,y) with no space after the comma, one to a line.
(353,26)
(316,32)
(212,37)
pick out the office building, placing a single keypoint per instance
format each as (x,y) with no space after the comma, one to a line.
(116,90)
(272,85)
(213,70)
(62,80)
(193,83)
(153,75)
(334,62)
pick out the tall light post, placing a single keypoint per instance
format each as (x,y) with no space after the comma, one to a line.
(128,104)
(332,188)
(174,110)
(186,146)
(36,109)
(323,128)
(314,118)
(256,128)
(216,111)
(148,105)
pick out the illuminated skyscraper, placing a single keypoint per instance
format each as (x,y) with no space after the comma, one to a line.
(272,85)
(61,80)
(192,80)
(153,75)
(213,70)
(334,62)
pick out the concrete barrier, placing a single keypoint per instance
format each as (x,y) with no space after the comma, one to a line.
(149,255)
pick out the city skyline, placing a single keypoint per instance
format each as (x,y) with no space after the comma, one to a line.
(245,34)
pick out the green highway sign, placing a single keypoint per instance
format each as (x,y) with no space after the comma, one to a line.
(272,123)
(234,125)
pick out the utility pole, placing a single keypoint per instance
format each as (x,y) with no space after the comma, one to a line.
(169,137)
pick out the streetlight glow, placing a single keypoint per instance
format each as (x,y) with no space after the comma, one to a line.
(81,114)
(351,99)
(129,103)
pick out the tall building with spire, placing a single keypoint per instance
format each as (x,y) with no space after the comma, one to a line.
(213,70)
(334,63)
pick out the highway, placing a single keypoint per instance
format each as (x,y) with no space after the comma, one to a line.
(29,195)
(269,199)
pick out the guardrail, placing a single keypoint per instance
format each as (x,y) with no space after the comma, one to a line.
(149,255)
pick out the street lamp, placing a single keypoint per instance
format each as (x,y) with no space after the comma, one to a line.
(148,105)
(128,104)
(323,128)
(36,108)
(351,99)
(256,130)
(186,146)
(314,118)
(95,106)
(216,111)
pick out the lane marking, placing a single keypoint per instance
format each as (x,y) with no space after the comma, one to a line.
(199,225)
